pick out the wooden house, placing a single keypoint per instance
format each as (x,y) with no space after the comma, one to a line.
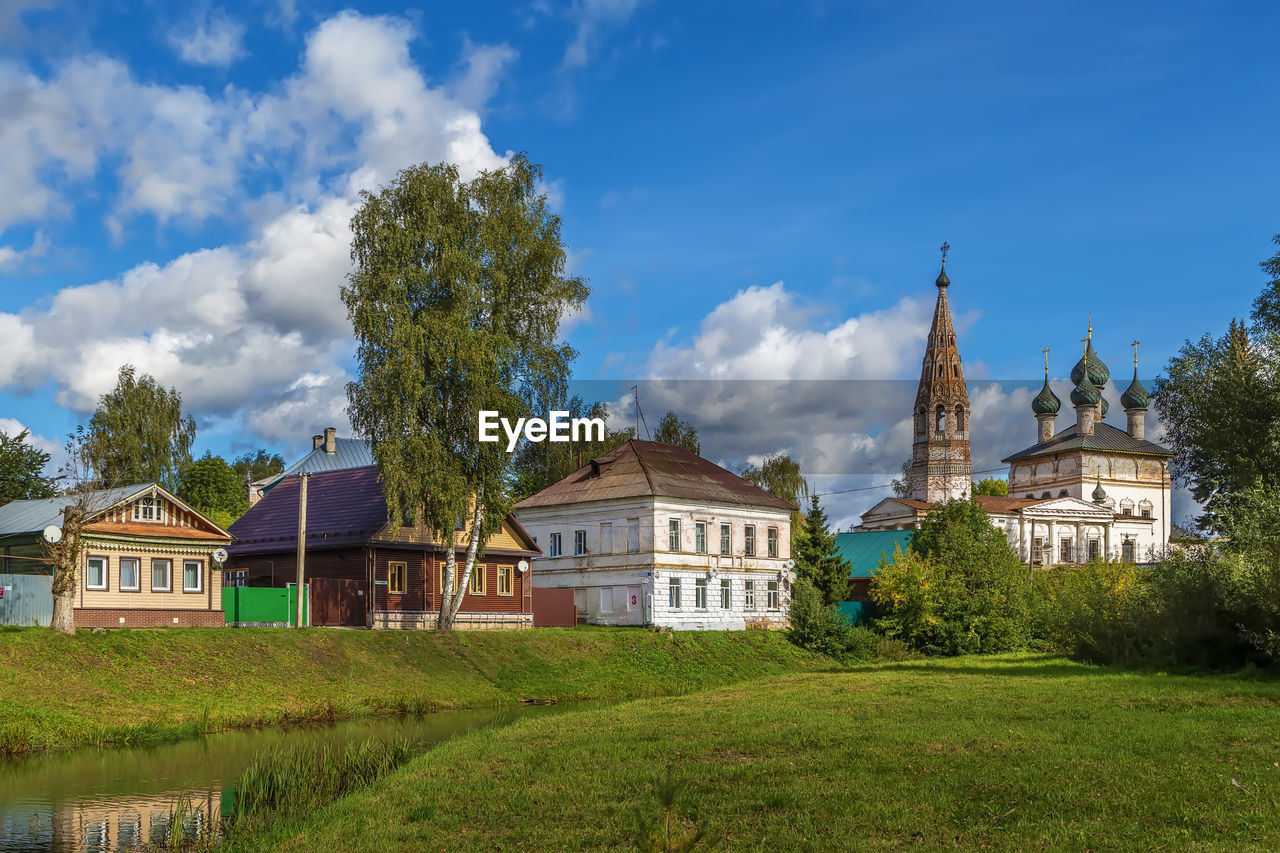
(147,559)
(364,570)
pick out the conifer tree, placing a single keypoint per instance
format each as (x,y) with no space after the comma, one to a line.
(816,556)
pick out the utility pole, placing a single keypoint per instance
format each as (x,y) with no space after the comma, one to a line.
(302,542)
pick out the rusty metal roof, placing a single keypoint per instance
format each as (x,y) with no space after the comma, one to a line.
(653,469)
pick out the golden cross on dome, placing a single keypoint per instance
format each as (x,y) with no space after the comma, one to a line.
(944,248)
(1090,336)
(1135,353)
(1046,362)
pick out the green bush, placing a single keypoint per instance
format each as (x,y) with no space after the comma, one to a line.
(958,589)
(824,629)
(1098,613)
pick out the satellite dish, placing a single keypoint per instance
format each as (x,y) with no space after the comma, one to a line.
(52,534)
(523,566)
(789,564)
(220,555)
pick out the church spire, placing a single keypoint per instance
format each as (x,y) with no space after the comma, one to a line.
(940,464)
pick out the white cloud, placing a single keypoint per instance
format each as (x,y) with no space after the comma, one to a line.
(481,70)
(252,330)
(591,18)
(215,40)
(12,259)
(57,453)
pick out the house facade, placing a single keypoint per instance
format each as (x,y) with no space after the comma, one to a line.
(147,557)
(363,570)
(651,534)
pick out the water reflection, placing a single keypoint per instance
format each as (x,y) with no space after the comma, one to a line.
(117,799)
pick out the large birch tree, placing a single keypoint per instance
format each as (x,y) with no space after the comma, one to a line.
(456,298)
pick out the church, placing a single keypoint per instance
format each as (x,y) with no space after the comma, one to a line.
(1088,491)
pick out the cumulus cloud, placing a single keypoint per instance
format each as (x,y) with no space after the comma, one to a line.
(214,40)
(252,330)
(591,19)
(481,70)
(57,453)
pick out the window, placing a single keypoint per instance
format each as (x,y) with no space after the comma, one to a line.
(1128,551)
(749,594)
(700,593)
(1038,551)
(700,537)
(95,576)
(749,540)
(1144,509)
(1065,554)
(726,538)
(1095,549)
(773,541)
(940,422)
(555,545)
(1062,493)
(633,535)
(773,595)
(148,509)
(673,534)
(1045,495)
(1126,507)
(192,575)
(476,587)
(506,580)
(579,543)
(395,577)
(959,418)
(129,574)
(673,593)
(726,594)
(161,572)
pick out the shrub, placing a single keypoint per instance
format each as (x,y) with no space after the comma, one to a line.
(824,629)
(1098,613)
(958,589)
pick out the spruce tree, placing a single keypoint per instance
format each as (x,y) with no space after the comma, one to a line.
(816,556)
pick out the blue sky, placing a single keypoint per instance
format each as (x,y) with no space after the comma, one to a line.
(755,190)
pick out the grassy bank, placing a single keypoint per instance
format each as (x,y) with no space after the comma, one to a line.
(140,686)
(1008,753)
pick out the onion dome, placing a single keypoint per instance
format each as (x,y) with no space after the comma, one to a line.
(1099,494)
(1046,402)
(1085,393)
(1135,396)
(1098,372)
(942,280)
(1104,405)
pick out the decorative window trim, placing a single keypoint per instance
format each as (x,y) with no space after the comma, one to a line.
(199,587)
(168,587)
(477,585)
(507,579)
(137,578)
(150,502)
(106,573)
(394,568)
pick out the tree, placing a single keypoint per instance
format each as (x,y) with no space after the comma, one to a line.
(816,556)
(673,430)
(139,434)
(22,470)
(539,464)
(993,486)
(1220,406)
(214,488)
(780,476)
(958,589)
(251,467)
(456,300)
(902,486)
(84,497)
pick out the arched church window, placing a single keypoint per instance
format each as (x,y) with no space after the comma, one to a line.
(959,419)
(941,421)
(1062,494)
(1144,509)
(1126,507)
(920,421)
(1046,495)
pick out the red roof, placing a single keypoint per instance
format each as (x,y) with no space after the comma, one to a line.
(653,469)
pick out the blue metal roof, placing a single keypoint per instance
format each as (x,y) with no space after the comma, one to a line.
(34,516)
(864,548)
(350,453)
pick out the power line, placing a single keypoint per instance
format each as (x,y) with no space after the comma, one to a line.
(890,485)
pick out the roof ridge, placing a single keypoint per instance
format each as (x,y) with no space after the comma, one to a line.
(653,490)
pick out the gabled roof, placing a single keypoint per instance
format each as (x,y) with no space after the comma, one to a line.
(348,453)
(653,469)
(864,548)
(344,507)
(34,516)
(991,503)
(1105,438)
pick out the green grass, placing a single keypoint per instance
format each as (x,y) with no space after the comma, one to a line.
(1013,753)
(146,686)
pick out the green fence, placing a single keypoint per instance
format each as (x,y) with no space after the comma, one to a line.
(264,607)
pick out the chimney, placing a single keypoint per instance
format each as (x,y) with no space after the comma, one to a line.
(316,441)
(330,440)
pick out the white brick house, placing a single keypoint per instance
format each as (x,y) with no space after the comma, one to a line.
(651,534)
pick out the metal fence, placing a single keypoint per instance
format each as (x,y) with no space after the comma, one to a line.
(264,607)
(27,600)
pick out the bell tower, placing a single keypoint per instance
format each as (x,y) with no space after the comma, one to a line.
(941,469)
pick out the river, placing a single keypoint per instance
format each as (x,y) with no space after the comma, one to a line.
(114,798)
